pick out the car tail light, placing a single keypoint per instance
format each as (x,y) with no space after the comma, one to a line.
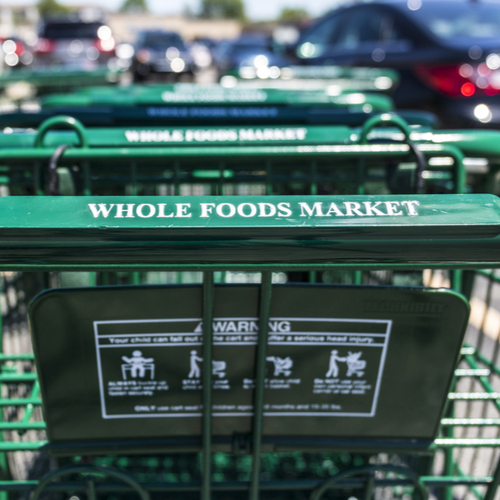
(45,46)
(462,80)
(20,49)
(107,46)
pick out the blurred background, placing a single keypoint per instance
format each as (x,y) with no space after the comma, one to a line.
(210,33)
(446,52)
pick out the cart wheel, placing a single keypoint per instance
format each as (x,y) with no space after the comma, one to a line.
(90,486)
(369,482)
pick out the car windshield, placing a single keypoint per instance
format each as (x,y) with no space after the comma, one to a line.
(242,47)
(455,20)
(163,41)
(58,31)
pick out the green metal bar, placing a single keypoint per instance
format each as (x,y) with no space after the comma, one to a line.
(273,267)
(269,178)
(313,192)
(370,484)
(35,393)
(18,377)
(206,455)
(485,382)
(16,426)
(220,180)
(368,151)
(488,274)
(17,357)
(4,464)
(87,179)
(493,486)
(133,176)
(114,487)
(360,189)
(37,179)
(456,279)
(460,172)
(177,187)
(91,492)
(20,402)
(21,445)
(314,183)
(448,453)
(260,379)
(474,490)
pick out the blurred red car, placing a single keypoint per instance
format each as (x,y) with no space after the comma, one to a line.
(14,53)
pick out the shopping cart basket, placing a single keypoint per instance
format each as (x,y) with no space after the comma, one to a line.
(419,329)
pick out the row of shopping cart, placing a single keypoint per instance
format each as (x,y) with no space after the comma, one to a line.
(247,291)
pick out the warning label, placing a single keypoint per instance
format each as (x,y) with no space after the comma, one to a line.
(315,367)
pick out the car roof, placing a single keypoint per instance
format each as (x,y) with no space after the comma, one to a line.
(402,3)
(158,32)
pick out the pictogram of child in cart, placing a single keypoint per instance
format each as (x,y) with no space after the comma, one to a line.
(137,366)
(281,365)
(355,366)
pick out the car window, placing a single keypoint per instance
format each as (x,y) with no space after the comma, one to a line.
(316,41)
(461,20)
(367,26)
(162,41)
(59,31)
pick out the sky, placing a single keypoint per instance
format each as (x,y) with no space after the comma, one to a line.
(256,10)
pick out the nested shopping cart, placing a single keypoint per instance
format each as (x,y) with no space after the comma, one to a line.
(180,105)
(479,147)
(55,79)
(284,254)
(368,368)
(311,77)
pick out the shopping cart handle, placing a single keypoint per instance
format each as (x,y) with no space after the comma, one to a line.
(264,230)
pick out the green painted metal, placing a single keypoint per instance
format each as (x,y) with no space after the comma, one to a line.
(327,72)
(179,115)
(477,234)
(65,122)
(20,402)
(296,169)
(340,151)
(260,375)
(89,472)
(4,466)
(218,96)
(6,446)
(222,136)
(19,426)
(57,78)
(368,470)
(115,487)
(319,230)
(208,307)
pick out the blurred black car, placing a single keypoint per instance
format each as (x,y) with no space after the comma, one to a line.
(248,55)
(161,52)
(447,52)
(74,44)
